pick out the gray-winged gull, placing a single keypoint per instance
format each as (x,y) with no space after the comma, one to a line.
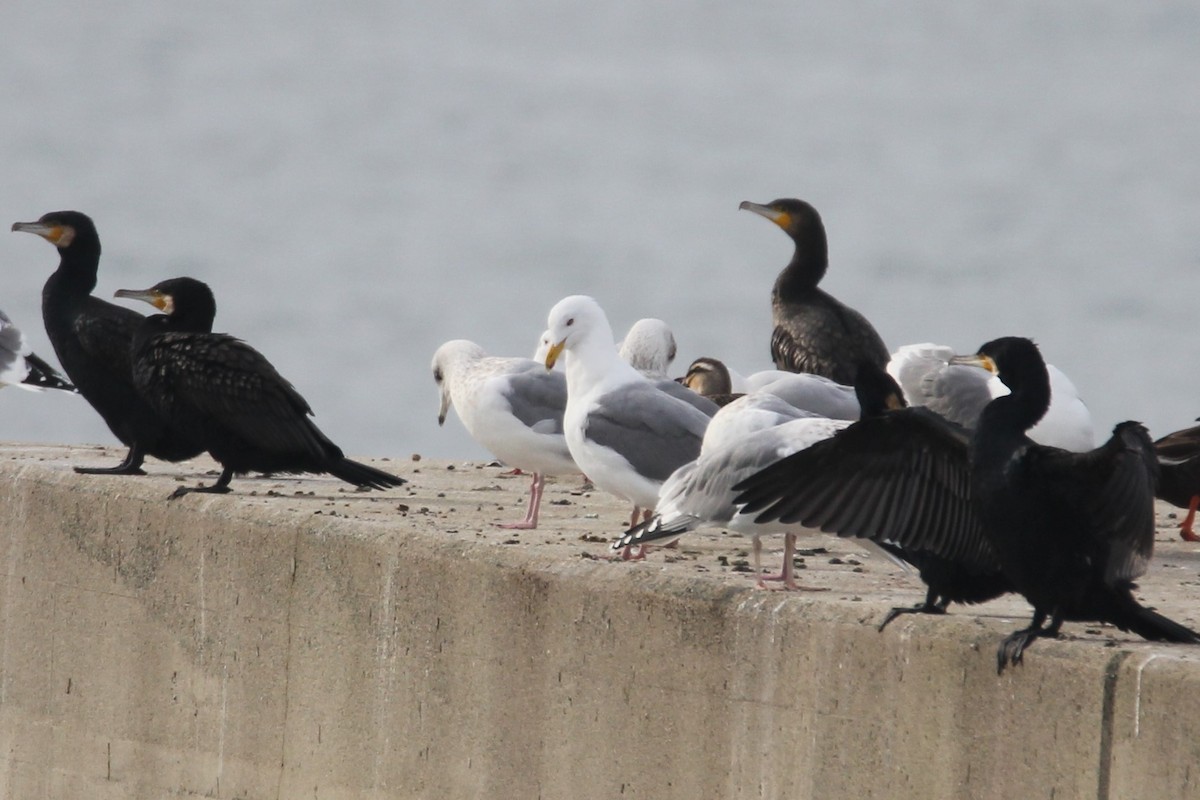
(744,437)
(959,393)
(513,407)
(624,433)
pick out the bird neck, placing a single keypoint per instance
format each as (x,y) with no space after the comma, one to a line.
(1013,414)
(593,359)
(76,273)
(151,326)
(197,319)
(807,267)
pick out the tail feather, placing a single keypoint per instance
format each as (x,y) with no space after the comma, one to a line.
(652,530)
(363,475)
(1129,615)
(45,376)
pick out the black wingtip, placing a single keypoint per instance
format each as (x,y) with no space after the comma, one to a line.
(652,530)
(45,376)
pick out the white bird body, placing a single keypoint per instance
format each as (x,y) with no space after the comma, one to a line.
(624,433)
(511,406)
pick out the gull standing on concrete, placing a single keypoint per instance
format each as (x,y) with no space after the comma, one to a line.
(744,437)
(623,432)
(513,407)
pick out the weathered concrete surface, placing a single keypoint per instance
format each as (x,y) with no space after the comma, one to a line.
(298,640)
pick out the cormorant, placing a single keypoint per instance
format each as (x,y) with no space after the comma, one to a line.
(947,580)
(227,396)
(92,339)
(20,366)
(1070,531)
(1179,475)
(813,331)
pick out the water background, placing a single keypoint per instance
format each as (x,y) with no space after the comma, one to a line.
(362,181)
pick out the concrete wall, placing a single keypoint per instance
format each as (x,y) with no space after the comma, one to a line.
(350,645)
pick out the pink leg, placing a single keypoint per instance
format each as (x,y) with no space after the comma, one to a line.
(788,575)
(627,553)
(1185,529)
(535,502)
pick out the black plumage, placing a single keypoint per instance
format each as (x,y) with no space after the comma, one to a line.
(227,396)
(44,376)
(92,339)
(1070,531)
(1179,475)
(949,580)
(813,331)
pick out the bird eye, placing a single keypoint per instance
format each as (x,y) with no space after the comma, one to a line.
(437,375)
(570,322)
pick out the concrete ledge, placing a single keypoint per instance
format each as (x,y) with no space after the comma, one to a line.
(295,639)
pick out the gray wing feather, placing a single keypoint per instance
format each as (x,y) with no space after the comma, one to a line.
(538,399)
(654,432)
(693,399)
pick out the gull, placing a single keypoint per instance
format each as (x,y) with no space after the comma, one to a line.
(513,407)
(624,433)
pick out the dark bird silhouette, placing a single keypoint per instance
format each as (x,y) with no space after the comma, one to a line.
(1070,531)
(813,331)
(92,339)
(1179,475)
(228,397)
(20,366)
(968,582)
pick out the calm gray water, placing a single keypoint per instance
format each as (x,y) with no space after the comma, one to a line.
(364,180)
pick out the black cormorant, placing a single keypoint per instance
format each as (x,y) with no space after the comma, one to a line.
(1071,531)
(966,581)
(813,331)
(227,396)
(20,366)
(1179,475)
(92,339)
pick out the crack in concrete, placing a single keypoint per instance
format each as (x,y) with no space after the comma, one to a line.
(1107,719)
(287,665)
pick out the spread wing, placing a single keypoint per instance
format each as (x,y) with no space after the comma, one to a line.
(902,478)
(1111,490)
